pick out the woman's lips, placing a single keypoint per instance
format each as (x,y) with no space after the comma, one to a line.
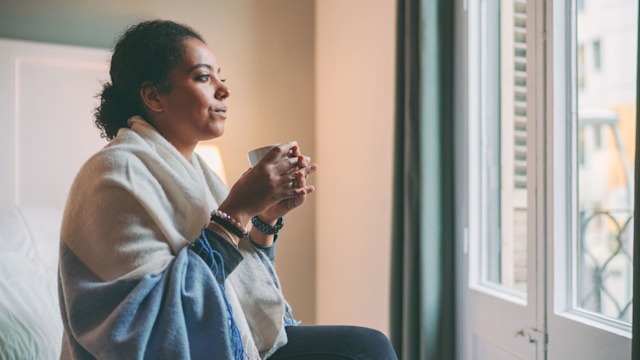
(222,110)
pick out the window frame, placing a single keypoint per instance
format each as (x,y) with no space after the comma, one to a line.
(477,242)
(560,166)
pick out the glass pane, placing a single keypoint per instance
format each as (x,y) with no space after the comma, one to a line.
(606,48)
(504,144)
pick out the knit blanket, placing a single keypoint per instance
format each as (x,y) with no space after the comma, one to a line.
(129,285)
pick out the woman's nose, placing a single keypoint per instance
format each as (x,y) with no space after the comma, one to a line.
(222,92)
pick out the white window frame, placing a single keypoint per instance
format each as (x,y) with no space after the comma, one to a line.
(561,179)
(477,124)
(572,333)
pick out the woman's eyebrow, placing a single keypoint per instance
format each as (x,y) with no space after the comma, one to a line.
(196,66)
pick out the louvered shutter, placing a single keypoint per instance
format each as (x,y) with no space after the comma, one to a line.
(513,134)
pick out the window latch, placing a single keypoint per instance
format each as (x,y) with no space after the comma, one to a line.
(534,335)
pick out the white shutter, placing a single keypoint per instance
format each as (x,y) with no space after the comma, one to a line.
(513,134)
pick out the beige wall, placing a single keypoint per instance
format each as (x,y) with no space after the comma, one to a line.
(355,54)
(266,50)
(319,72)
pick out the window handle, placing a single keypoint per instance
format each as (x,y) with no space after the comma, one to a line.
(534,335)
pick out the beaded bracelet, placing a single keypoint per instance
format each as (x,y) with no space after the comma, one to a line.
(266,228)
(229,223)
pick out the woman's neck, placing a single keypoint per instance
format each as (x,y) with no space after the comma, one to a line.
(184,148)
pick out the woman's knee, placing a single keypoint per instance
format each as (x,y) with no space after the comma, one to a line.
(336,342)
(374,342)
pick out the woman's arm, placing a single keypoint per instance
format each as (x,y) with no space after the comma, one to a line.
(270,189)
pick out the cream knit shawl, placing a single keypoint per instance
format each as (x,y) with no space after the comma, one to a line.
(138,202)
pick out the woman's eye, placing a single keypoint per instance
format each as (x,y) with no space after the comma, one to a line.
(203,77)
(223,80)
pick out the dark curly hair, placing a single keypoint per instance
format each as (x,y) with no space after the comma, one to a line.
(145,52)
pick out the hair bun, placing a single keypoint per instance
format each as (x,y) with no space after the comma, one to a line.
(113,112)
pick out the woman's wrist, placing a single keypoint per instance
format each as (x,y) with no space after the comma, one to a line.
(240,216)
(260,238)
(220,230)
(228,222)
(267,220)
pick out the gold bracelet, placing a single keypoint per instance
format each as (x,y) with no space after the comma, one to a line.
(220,227)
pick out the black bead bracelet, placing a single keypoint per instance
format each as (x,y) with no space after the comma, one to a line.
(266,228)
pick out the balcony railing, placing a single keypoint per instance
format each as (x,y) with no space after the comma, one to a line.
(605,263)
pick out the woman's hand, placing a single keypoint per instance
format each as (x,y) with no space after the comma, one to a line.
(269,184)
(299,187)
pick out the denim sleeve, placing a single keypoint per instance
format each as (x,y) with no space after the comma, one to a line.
(208,245)
(269,251)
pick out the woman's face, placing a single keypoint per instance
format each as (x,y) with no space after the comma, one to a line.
(194,109)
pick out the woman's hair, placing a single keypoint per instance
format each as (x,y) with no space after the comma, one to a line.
(145,52)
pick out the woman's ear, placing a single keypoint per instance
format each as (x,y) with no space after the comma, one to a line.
(150,95)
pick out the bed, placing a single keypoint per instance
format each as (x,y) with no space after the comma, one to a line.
(29,316)
(46,133)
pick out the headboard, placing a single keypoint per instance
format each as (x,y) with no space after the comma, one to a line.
(47,93)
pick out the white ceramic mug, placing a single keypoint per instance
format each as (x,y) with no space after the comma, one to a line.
(256,155)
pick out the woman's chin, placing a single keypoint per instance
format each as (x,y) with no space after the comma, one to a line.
(215,131)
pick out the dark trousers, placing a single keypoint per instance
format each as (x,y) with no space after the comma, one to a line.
(335,343)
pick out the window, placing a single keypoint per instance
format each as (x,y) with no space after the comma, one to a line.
(603,161)
(498,183)
(504,145)
(550,137)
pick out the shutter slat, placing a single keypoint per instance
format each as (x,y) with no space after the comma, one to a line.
(519,95)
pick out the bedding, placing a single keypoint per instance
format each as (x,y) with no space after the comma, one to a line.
(30,323)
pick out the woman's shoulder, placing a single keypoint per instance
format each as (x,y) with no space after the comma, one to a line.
(115,156)
(118,160)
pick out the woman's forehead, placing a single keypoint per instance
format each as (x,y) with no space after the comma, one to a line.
(199,55)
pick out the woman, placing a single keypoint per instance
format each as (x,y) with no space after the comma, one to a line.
(156,260)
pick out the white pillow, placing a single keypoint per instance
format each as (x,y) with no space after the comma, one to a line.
(33,232)
(30,323)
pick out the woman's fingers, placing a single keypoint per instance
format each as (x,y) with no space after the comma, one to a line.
(301,179)
(279,151)
(297,177)
(288,170)
(299,199)
(295,151)
(277,184)
(308,170)
(303,161)
(292,165)
(286,166)
(286,178)
(299,196)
